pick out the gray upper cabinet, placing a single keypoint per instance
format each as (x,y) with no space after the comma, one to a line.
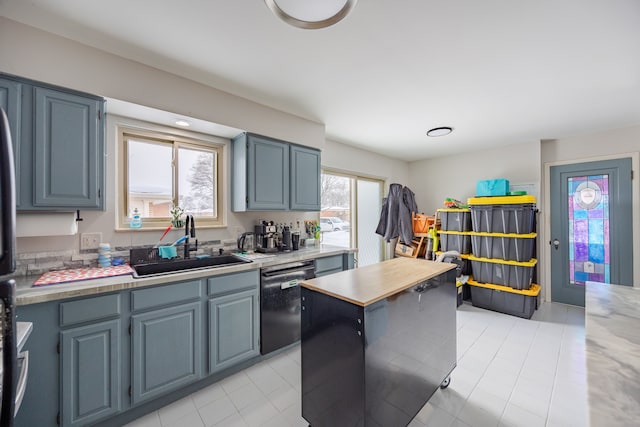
(90,373)
(305,182)
(273,175)
(68,150)
(166,350)
(11,103)
(58,137)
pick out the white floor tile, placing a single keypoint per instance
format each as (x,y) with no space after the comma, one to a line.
(246,396)
(176,410)
(208,395)
(234,382)
(217,411)
(433,416)
(191,419)
(284,397)
(234,420)
(514,416)
(258,414)
(149,420)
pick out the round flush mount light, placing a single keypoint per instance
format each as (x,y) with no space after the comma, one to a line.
(182,123)
(311,14)
(440,131)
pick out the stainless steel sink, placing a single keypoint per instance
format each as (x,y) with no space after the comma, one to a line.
(178,265)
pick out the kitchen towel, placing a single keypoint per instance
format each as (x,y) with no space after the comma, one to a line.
(75,275)
(46,224)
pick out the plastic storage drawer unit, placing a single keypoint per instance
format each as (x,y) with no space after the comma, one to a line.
(510,247)
(459,241)
(455,219)
(509,214)
(517,275)
(504,299)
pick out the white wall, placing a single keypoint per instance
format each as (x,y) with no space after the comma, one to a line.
(29,52)
(343,157)
(434,180)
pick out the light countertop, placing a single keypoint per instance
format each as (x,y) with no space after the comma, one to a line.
(365,285)
(27,294)
(612,329)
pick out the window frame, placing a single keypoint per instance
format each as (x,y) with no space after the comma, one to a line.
(184,140)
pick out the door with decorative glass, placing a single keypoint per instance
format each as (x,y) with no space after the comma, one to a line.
(591,227)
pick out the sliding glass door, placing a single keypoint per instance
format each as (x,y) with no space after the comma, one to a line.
(350,212)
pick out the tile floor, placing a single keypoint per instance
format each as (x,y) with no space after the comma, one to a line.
(511,372)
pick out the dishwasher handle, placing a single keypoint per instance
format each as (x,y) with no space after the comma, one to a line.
(287,269)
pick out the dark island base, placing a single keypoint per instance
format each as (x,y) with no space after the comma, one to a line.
(376,365)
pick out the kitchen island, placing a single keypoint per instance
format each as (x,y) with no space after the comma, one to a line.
(612,316)
(377,342)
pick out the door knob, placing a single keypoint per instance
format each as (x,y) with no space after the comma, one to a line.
(556,243)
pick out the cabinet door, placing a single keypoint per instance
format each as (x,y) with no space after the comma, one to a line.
(68,150)
(305,179)
(90,373)
(267,174)
(166,350)
(11,103)
(233,328)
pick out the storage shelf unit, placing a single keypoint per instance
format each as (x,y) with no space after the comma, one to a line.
(503,242)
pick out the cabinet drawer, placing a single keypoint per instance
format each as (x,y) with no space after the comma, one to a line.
(328,263)
(164,295)
(89,309)
(233,282)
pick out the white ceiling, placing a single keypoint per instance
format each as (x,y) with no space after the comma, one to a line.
(499,71)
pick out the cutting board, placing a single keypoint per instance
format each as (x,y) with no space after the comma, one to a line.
(75,275)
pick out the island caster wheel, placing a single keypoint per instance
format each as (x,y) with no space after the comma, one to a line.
(446,382)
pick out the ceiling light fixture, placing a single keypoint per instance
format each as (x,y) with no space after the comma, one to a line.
(441,131)
(183,123)
(311,14)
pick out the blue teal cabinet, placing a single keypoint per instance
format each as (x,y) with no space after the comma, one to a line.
(90,359)
(273,175)
(305,179)
(166,343)
(58,138)
(11,103)
(260,174)
(234,322)
(333,264)
(68,150)
(90,373)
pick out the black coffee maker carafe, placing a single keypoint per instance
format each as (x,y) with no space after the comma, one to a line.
(286,238)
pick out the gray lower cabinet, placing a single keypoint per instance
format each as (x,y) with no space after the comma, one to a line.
(330,264)
(166,350)
(90,373)
(233,328)
(234,319)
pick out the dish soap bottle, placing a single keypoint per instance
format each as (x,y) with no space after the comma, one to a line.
(135,222)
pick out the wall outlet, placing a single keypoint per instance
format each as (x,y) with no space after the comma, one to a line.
(90,241)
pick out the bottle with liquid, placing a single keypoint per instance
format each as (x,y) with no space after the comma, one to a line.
(135,222)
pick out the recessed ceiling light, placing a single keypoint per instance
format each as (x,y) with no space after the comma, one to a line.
(311,14)
(182,123)
(441,131)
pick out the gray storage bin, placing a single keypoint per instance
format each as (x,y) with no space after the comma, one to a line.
(460,242)
(514,247)
(517,275)
(515,304)
(455,219)
(517,219)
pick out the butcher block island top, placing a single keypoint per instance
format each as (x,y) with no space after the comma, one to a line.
(365,285)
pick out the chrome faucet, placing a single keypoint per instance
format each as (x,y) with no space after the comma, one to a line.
(190,231)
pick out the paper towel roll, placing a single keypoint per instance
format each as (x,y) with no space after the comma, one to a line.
(46,224)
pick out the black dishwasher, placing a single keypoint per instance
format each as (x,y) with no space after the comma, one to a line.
(280,303)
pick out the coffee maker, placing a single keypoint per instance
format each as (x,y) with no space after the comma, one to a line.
(266,237)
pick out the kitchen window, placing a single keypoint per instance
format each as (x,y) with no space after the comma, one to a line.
(160,171)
